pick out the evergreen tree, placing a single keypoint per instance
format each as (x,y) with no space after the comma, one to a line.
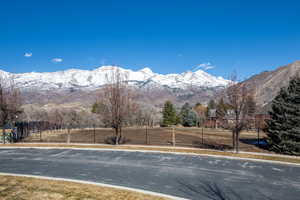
(169,114)
(178,119)
(188,116)
(283,129)
(95,107)
(210,106)
(198,104)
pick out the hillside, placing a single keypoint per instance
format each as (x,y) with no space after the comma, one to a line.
(267,84)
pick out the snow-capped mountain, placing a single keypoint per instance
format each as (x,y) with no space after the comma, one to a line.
(92,79)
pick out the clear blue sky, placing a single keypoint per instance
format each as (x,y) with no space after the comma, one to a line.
(166,35)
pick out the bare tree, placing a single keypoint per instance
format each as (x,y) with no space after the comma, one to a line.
(238,97)
(10,103)
(71,119)
(116,102)
(57,119)
(92,120)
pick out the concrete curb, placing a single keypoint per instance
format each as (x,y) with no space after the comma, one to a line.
(95,183)
(155,151)
(167,147)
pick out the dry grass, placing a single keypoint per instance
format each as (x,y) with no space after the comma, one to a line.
(17,188)
(187,137)
(273,157)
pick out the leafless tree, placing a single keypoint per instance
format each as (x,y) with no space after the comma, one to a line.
(34,113)
(146,115)
(71,119)
(10,103)
(116,102)
(57,119)
(238,96)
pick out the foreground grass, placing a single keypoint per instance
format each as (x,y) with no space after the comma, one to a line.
(273,157)
(15,188)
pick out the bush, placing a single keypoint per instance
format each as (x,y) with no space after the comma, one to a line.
(188,116)
(112,140)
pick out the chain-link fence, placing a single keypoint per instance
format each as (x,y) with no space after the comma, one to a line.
(18,131)
(219,139)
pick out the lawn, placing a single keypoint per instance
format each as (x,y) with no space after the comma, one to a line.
(15,188)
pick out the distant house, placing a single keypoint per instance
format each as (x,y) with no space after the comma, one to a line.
(258,121)
(211,121)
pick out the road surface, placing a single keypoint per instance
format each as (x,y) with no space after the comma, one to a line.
(188,176)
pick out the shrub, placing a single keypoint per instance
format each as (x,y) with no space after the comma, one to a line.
(112,140)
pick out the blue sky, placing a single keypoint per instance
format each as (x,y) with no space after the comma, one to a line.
(167,36)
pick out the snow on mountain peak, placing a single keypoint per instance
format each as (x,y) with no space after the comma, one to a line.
(91,79)
(146,70)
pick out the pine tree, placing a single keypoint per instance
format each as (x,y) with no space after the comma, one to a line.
(188,117)
(283,129)
(169,114)
(95,108)
(210,106)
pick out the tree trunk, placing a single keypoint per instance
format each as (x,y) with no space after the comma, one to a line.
(40,135)
(146,135)
(233,139)
(69,136)
(117,135)
(120,133)
(237,142)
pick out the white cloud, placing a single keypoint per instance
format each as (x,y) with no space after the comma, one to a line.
(205,66)
(27,55)
(57,60)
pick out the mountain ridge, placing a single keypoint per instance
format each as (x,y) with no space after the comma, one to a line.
(268,83)
(92,79)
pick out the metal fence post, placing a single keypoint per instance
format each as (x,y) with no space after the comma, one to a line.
(40,135)
(94,135)
(173,137)
(146,135)
(258,136)
(202,136)
(69,136)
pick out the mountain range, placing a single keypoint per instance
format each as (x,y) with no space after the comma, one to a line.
(80,87)
(93,79)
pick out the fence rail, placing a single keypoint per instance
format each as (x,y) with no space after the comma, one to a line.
(187,137)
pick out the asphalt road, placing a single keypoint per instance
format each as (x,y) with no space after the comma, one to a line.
(188,176)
